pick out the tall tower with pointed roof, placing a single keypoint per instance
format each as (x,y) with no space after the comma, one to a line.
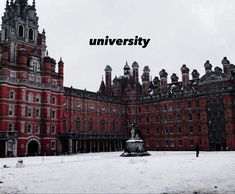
(31,89)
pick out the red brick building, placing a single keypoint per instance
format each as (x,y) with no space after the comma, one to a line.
(38,115)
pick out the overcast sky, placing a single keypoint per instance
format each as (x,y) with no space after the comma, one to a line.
(181,32)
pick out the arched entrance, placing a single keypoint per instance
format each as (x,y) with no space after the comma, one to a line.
(33,148)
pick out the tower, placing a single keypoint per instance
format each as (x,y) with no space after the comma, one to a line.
(135,67)
(145,80)
(32,89)
(225,62)
(127,70)
(185,77)
(163,79)
(108,80)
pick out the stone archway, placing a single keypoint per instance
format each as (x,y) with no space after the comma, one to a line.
(33,148)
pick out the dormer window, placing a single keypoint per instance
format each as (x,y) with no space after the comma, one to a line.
(21,31)
(31,34)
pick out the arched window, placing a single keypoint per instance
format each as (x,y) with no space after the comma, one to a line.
(31,34)
(38,98)
(12,94)
(91,124)
(30,97)
(21,31)
(78,124)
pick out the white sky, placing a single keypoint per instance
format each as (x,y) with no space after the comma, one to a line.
(181,32)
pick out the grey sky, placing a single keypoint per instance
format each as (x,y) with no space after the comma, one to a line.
(181,32)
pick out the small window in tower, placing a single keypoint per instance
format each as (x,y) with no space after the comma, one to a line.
(21,31)
(6,34)
(31,34)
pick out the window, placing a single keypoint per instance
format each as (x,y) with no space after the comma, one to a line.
(5,34)
(21,31)
(172,144)
(146,109)
(31,34)
(64,124)
(53,129)
(171,131)
(157,131)
(178,117)
(147,131)
(11,110)
(29,128)
(53,144)
(190,129)
(180,143)
(12,94)
(91,124)
(178,105)
(189,104)
(103,124)
(190,117)
(139,109)
(10,127)
(38,98)
(179,130)
(191,142)
(30,97)
(156,108)
(147,119)
(199,129)
(53,100)
(139,120)
(37,130)
(37,112)
(156,119)
(53,114)
(30,111)
(78,124)
(157,143)
(114,125)
(147,143)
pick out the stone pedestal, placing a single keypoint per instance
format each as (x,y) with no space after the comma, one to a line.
(135,147)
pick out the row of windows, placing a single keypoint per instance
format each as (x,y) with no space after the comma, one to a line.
(163,108)
(11,112)
(29,128)
(167,119)
(171,131)
(90,124)
(172,143)
(37,99)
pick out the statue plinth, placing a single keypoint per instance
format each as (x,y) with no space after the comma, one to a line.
(135,145)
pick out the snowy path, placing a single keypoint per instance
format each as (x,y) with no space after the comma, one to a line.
(162,172)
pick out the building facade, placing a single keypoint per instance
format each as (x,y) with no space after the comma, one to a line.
(38,115)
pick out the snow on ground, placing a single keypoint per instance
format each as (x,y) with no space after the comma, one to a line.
(162,172)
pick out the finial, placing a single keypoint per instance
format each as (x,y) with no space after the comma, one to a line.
(47,54)
(102,78)
(43,31)
(7,2)
(11,2)
(34,3)
(60,58)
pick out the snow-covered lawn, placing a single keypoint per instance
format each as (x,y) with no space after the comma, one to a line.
(162,172)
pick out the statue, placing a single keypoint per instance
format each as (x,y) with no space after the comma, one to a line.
(135,145)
